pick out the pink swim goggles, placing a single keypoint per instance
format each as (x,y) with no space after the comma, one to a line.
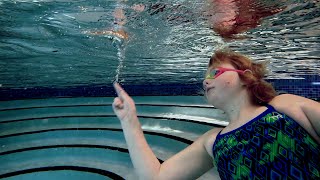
(220,70)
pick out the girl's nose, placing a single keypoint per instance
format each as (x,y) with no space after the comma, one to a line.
(205,83)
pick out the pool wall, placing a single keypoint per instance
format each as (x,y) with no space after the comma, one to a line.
(307,86)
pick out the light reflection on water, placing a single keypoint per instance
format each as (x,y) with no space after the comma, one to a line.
(43,43)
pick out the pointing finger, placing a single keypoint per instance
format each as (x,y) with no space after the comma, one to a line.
(120,92)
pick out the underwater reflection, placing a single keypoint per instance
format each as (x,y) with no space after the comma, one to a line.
(227,18)
(231,17)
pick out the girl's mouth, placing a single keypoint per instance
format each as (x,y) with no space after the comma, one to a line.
(208,89)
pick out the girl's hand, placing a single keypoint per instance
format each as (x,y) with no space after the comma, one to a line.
(123,105)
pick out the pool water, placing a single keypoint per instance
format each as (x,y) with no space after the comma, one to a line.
(58,61)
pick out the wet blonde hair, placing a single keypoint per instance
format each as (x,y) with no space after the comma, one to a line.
(260,91)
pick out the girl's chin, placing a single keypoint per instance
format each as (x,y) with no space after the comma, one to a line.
(210,93)
(210,99)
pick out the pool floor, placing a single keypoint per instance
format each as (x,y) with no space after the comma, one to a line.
(81,138)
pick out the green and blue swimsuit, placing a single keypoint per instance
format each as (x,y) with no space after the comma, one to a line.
(270,146)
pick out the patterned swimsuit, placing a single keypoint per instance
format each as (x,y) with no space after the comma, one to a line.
(270,146)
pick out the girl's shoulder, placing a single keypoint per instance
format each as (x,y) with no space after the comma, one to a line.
(286,103)
(289,105)
(296,107)
(210,138)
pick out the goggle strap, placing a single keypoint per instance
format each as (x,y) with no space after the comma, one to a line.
(247,70)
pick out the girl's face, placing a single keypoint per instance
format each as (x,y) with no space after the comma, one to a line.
(224,86)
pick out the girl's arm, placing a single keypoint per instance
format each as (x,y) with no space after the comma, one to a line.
(190,163)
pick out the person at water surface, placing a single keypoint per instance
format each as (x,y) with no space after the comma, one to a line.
(269,136)
(225,17)
(120,19)
(231,17)
(228,18)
